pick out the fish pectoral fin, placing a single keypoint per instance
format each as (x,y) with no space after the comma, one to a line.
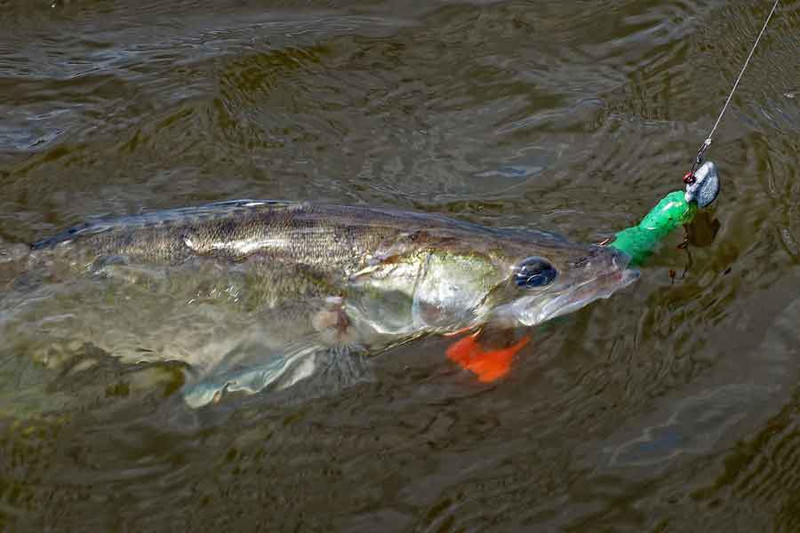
(343,365)
(487,365)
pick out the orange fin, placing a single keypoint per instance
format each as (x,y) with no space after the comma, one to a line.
(487,365)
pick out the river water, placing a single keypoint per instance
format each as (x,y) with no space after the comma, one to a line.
(673,406)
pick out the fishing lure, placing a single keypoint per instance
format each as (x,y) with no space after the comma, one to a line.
(676,209)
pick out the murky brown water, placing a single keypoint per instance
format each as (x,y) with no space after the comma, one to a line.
(673,406)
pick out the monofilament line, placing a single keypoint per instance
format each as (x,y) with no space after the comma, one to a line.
(707,142)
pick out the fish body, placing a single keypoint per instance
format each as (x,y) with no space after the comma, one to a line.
(321,277)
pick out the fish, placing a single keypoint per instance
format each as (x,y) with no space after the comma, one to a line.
(314,282)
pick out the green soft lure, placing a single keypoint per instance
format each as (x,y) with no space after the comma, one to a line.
(673,211)
(639,241)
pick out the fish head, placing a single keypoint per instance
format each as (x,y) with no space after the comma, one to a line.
(549,277)
(443,281)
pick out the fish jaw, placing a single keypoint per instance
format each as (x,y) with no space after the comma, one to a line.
(581,296)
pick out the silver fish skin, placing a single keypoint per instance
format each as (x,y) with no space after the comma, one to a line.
(464,271)
(325,276)
(460,271)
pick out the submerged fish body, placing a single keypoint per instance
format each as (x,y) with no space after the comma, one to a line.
(342,276)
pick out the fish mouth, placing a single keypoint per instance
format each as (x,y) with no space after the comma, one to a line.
(581,295)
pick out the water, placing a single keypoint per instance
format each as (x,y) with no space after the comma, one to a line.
(672,406)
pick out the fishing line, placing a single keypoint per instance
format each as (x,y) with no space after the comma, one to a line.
(689,177)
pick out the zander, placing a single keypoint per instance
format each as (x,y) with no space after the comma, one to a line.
(315,280)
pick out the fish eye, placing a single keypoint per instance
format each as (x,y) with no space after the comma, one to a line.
(534,272)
